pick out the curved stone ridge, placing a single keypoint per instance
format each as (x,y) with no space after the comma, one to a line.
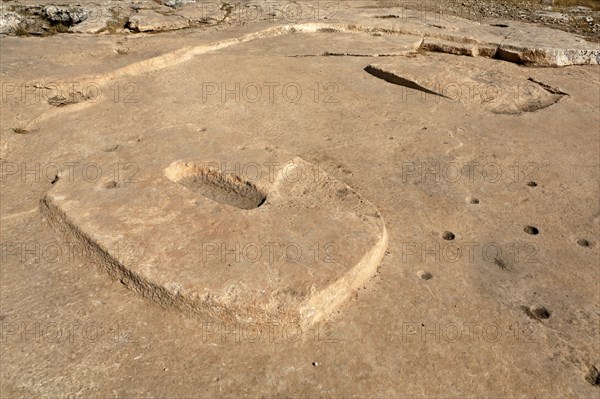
(293,259)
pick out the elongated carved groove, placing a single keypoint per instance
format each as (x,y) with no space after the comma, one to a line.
(211,183)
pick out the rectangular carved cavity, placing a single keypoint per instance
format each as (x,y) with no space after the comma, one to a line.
(225,188)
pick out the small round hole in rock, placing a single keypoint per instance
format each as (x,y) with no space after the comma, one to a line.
(473,201)
(531,184)
(448,235)
(531,230)
(538,312)
(111,184)
(593,376)
(425,275)
(583,242)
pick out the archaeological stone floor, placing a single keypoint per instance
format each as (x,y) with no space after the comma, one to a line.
(361,202)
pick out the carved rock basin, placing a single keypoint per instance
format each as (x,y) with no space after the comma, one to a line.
(244,236)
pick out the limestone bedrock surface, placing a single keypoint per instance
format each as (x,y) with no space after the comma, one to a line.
(192,163)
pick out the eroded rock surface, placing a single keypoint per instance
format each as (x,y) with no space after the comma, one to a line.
(168,160)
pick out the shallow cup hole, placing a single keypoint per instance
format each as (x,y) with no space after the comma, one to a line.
(425,275)
(583,242)
(111,184)
(448,235)
(537,312)
(531,230)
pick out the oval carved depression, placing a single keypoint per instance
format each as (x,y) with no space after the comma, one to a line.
(211,183)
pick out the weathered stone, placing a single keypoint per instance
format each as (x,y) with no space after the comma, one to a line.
(176,3)
(9,22)
(67,16)
(554,16)
(148,20)
(96,22)
(470,49)
(547,47)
